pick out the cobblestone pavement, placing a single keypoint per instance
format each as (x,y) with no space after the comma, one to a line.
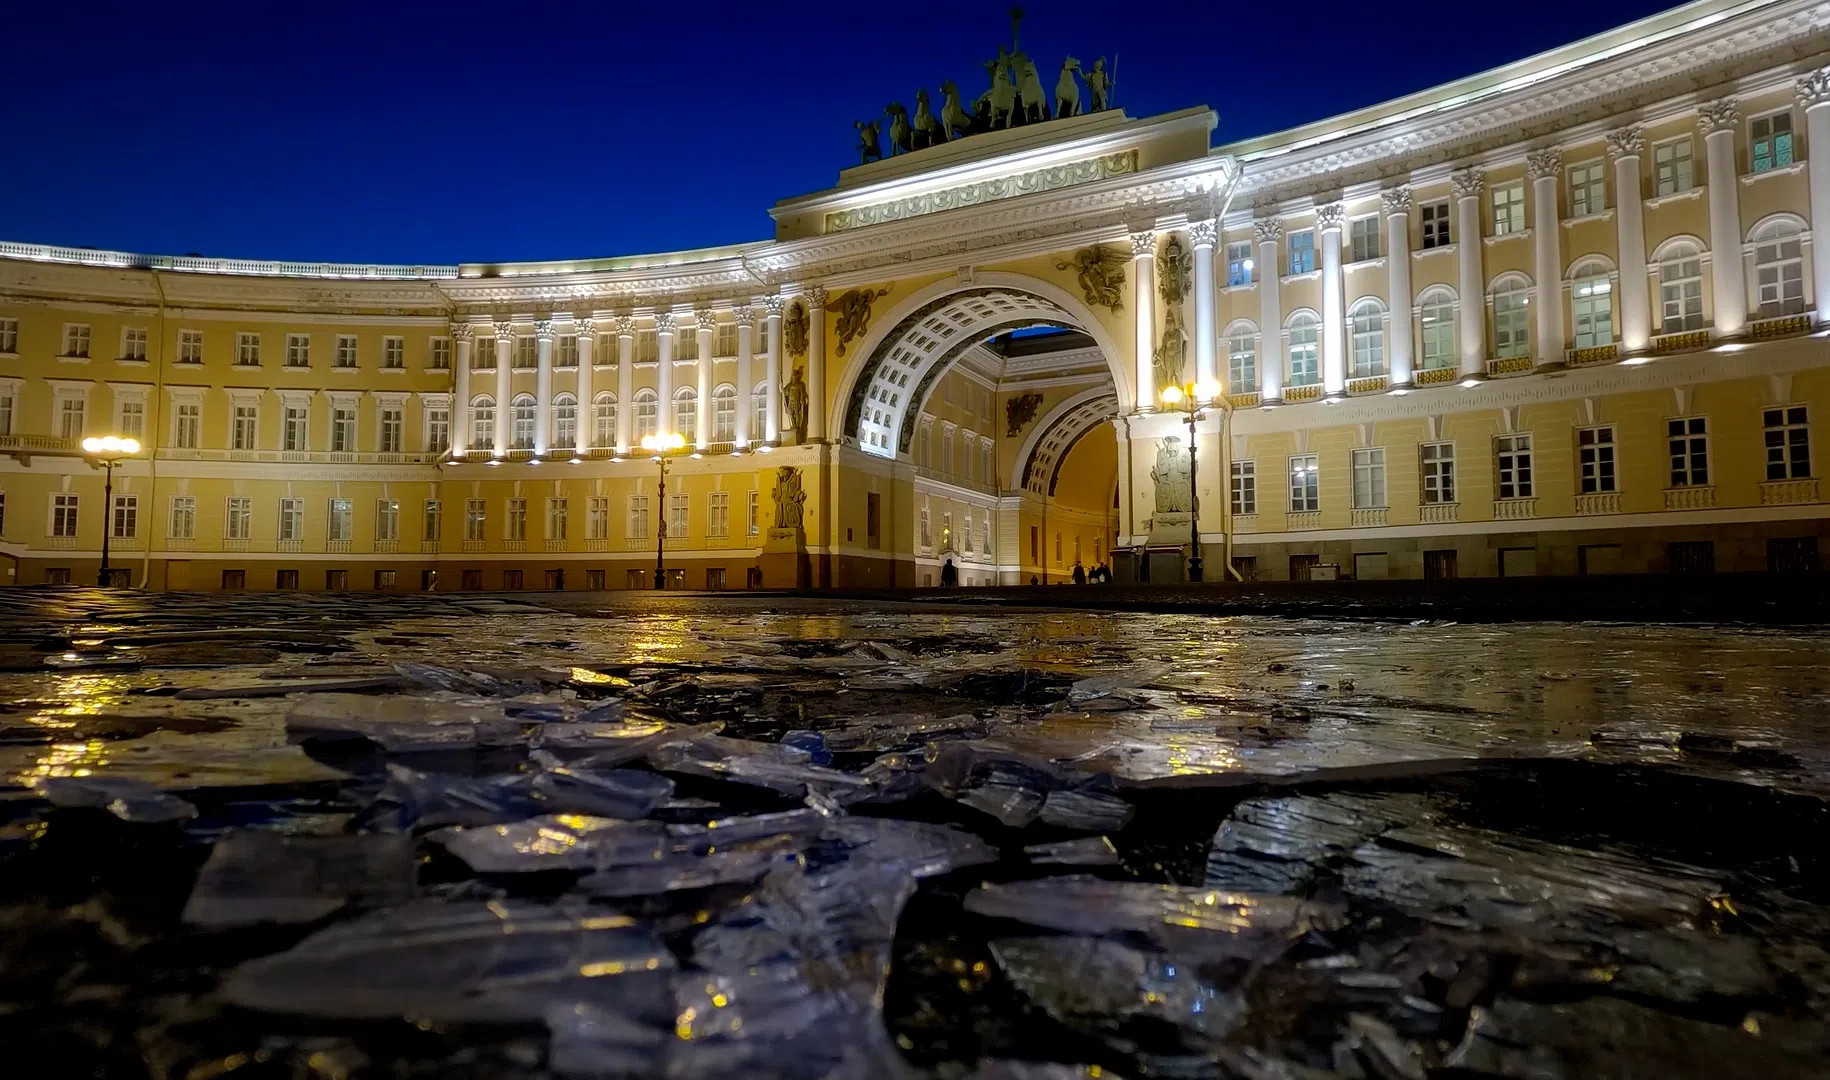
(634,836)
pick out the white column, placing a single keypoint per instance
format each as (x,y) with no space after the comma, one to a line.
(1545,167)
(816,366)
(1204,235)
(772,369)
(1143,296)
(625,381)
(1814,98)
(664,372)
(1396,205)
(460,390)
(505,357)
(1329,220)
(1718,120)
(586,329)
(704,322)
(1470,282)
(1630,300)
(746,343)
(1270,315)
(543,386)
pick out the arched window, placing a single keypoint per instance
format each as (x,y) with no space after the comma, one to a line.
(1241,358)
(647,411)
(1680,287)
(1591,305)
(482,422)
(1367,320)
(1436,318)
(1304,370)
(603,419)
(1511,316)
(686,414)
(1779,269)
(724,414)
(759,412)
(565,421)
(523,413)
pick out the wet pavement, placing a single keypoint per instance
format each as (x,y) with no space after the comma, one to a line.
(636,836)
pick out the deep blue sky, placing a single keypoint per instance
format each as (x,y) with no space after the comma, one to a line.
(379,132)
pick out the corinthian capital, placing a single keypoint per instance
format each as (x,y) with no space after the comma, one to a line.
(1203,233)
(625,325)
(1628,141)
(1143,244)
(743,314)
(1467,184)
(664,322)
(705,320)
(584,325)
(1268,230)
(773,304)
(1714,116)
(1395,201)
(460,331)
(505,331)
(543,329)
(1543,163)
(1330,217)
(1814,89)
(816,296)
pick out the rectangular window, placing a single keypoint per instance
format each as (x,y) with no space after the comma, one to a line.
(63,515)
(1511,323)
(755,523)
(298,350)
(1438,461)
(677,511)
(340,520)
(1588,189)
(71,417)
(1688,441)
(131,422)
(238,518)
(686,343)
(556,513)
(718,514)
(1245,487)
(190,346)
(1788,443)
(438,428)
(1595,460)
(1769,142)
(343,429)
(1239,263)
(393,353)
(1509,209)
(391,421)
(247,350)
(6,410)
(647,346)
(1363,238)
(1305,484)
(526,353)
(9,335)
(438,354)
(1591,301)
(346,351)
(1369,478)
(638,517)
(597,517)
(1512,455)
(1779,272)
(133,343)
(483,357)
(1680,293)
(387,519)
(724,339)
(297,424)
(244,427)
(76,340)
(292,519)
(432,521)
(567,354)
(1671,162)
(515,526)
(1302,251)
(1434,217)
(124,517)
(474,514)
(183,525)
(187,424)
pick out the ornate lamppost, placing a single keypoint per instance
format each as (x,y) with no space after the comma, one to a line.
(1189,399)
(661,446)
(107,451)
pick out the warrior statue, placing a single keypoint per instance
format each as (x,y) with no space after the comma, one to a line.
(1100,84)
(794,403)
(901,135)
(789,498)
(1173,489)
(870,147)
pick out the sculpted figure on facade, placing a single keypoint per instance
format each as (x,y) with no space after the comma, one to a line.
(902,137)
(1032,99)
(1067,89)
(928,130)
(870,144)
(954,119)
(1174,280)
(997,107)
(853,308)
(1170,359)
(1174,491)
(1101,272)
(1018,412)
(790,500)
(1100,84)
(794,403)
(795,329)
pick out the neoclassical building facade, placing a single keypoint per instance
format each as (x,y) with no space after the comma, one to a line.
(1558,318)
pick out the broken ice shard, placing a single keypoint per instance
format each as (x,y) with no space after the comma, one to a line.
(127,799)
(1088,851)
(403,724)
(557,842)
(1085,811)
(255,876)
(1100,985)
(420,800)
(619,793)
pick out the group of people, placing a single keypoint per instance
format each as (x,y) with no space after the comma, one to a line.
(1100,574)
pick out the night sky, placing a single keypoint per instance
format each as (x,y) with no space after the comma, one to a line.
(381,132)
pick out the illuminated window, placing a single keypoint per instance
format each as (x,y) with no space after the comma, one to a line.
(1302,251)
(1588,189)
(1305,484)
(1779,269)
(1369,478)
(1672,164)
(1680,288)
(1769,139)
(387,519)
(1509,209)
(1438,461)
(1368,326)
(1304,368)
(1363,238)
(1591,301)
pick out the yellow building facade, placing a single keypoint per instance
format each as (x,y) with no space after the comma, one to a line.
(1563,317)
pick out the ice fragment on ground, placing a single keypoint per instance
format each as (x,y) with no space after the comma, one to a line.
(282,687)
(812,742)
(1012,804)
(128,799)
(256,876)
(724,832)
(1100,685)
(1098,985)
(604,1044)
(779,768)
(1088,851)
(557,842)
(1279,845)
(411,799)
(999,1069)
(1085,811)
(403,724)
(502,961)
(896,730)
(916,848)
(677,870)
(618,793)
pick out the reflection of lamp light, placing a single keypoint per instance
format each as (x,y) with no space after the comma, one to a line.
(108,450)
(1190,399)
(660,446)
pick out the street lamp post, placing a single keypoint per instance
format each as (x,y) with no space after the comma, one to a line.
(108,451)
(1190,399)
(661,446)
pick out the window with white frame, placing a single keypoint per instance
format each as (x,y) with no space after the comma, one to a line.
(247,350)
(9,336)
(297,428)
(387,520)
(124,517)
(1680,288)
(986,469)
(432,520)
(686,343)
(965,534)
(190,346)
(1305,370)
(724,339)
(1305,484)
(343,429)
(483,354)
(566,355)
(1779,269)
(476,512)
(686,414)
(753,522)
(1769,140)
(565,421)
(1511,317)
(597,517)
(558,514)
(1239,263)
(71,418)
(292,519)
(187,424)
(759,411)
(346,351)
(985,536)
(603,419)
(390,423)
(341,521)
(924,534)
(647,345)
(718,514)
(526,353)
(1369,478)
(1595,460)
(514,519)
(1367,322)
(182,524)
(1434,217)
(298,350)
(946,448)
(1687,439)
(129,420)
(63,514)
(1437,461)
(438,354)
(678,509)
(1436,317)
(76,340)
(924,443)
(238,518)
(1591,303)
(647,412)
(1302,251)
(946,532)
(524,414)
(133,343)
(1512,459)
(393,353)
(1788,442)
(244,426)
(1363,238)
(1509,209)
(8,392)
(438,428)
(638,518)
(1241,359)
(1588,188)
(1672,166)
(724,414)
(1245,487)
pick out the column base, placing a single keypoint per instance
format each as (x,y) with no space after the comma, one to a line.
(1271,402)
(1400,388)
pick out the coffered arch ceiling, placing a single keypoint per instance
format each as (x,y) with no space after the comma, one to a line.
(1057,434)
